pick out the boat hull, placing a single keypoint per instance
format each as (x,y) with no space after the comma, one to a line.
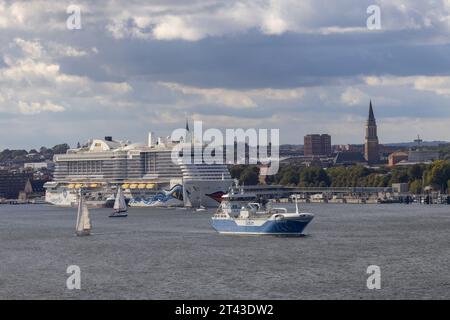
(118,215)
(83,233)
(255,227)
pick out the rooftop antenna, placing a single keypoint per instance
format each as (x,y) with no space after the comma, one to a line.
(418,141)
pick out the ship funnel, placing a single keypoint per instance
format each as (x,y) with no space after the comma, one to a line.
(151,139)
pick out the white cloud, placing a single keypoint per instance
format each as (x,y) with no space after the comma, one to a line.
(37,107)
(353,96)
(439,85)
(272,17)
(32,15)
(172,27)
(197,19)
(32,49)
(63,50)
(32,82)
(237,98)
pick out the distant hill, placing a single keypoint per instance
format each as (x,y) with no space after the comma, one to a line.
(413,144)
(395,144)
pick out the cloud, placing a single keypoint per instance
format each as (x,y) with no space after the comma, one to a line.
(32,49)
(172,27)
(287,64)
(353,96)
(237,98)
(437,84)
(37,107)
(272,17)
(32,82)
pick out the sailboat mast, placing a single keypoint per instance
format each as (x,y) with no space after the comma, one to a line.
(80,204)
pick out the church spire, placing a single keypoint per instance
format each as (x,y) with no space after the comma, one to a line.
(371,118)
(371,147)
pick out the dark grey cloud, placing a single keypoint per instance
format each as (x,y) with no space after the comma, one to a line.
(148,65)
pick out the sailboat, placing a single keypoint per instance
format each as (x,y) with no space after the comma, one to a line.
(200,206)
(120,206)
(83,227)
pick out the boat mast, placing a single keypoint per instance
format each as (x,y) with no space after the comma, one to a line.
(80,203)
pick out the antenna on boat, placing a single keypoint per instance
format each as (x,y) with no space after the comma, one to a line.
(296,205)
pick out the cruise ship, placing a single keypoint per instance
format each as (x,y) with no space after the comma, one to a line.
(144,171)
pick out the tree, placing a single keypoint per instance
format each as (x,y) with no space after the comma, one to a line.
(439,174)
(290,177)
(249,176)
(314,177)
(415,187)
(236,171)
(415,172)
(60,148)
(399,175)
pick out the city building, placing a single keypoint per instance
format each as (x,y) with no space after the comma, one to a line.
(400,187)
(317,145)
(422,156)
(12,183)
(348,158)
(39,165)
(371,146)
(397,157)
(348,147)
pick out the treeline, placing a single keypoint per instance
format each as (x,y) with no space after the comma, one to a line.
(417,176)
(21,156)
(247,175)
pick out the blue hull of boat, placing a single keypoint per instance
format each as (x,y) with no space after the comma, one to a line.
(288,227)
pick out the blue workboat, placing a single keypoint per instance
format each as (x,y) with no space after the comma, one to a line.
(253,220)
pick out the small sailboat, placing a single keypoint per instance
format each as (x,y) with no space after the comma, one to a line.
(83,227)
(201,207)
(120,205)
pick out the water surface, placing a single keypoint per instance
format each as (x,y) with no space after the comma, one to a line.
(175,254)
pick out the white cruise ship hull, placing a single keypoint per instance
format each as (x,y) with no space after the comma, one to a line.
(62,197)
(205,193)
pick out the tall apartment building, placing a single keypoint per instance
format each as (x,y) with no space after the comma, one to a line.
(317,145)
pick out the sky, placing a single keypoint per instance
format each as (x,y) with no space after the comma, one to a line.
(303,66)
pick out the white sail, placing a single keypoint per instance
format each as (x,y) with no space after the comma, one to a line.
(80,205)
(123,204)
(120,204)
(117,201)
(86,220)
(83,221)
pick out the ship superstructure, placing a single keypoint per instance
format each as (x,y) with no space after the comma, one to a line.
(146,173)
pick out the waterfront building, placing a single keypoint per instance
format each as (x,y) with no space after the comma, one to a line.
(400,187)
(422,156)
(317,145)
(397,157)
(12,183)
(371,146)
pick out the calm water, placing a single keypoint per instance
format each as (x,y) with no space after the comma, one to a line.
(174,254)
